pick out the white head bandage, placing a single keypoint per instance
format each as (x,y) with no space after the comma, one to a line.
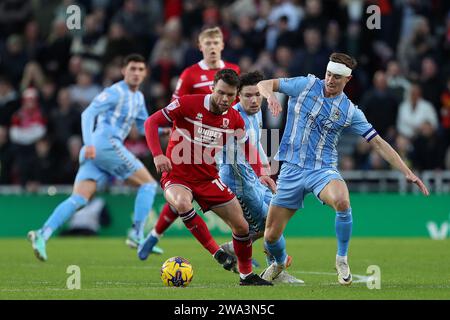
(339,68)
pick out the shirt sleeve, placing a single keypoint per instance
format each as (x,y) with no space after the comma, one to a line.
(292,86)
(361,126)
(141,116)
(174,110)
(107,99)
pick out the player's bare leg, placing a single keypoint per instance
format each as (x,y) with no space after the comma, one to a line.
(335,194)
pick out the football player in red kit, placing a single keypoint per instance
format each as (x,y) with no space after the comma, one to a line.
(199,77)
(201,126)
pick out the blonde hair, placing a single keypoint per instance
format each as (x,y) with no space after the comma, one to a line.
(210,33)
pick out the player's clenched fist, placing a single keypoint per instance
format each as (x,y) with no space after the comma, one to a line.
(162,163)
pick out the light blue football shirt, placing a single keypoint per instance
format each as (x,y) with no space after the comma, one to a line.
(113,112)
(233,153)
(314,123)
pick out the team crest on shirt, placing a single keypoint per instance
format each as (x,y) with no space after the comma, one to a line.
(225,123)
(336,115)
(203,78)
(199,116)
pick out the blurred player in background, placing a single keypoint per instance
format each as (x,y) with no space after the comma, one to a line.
(318,112)
(197,79)
(106,122)
(202,124)
(235,171)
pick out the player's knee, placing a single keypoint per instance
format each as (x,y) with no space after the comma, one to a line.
(241,228)
(342,205)
(182,204)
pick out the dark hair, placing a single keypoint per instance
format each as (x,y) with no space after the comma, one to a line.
(344,58)
(229,76)
(250,79)
(134,57)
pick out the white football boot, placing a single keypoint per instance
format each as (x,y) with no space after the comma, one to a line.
(274,270)
(343,271)
(285,277)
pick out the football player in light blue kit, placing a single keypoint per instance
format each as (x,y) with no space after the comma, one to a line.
(238,174)
(106,122)
(318,112)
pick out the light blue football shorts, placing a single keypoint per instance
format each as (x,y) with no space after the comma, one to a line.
(294,183)
(253,196)
(112,160)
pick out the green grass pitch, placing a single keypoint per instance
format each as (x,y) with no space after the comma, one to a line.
(411,268)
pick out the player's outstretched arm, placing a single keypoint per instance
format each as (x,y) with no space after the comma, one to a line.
(152,124)
(268,88)
(390,155)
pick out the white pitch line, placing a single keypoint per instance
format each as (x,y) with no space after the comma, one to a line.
(357,278)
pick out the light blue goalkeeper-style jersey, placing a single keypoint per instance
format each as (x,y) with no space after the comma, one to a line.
(113,112)
(233,155)
(314,123)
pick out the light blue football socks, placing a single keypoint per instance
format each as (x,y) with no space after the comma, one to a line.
(61,214)
(277,249)
(142,206)
(343,226)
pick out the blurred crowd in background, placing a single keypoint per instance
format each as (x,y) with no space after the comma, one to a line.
(49,74)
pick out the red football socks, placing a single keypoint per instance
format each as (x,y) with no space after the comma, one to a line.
(199,230)
(165,219)
(243,248)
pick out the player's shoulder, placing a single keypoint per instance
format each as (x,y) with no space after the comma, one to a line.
(192,101)
(300,80)
(117,88)
(192,68)
(111,93)
(234,112)
(192,97)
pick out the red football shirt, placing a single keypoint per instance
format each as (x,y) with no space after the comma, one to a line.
(198,78)
(197,134)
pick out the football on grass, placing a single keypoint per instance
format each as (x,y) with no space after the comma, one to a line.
(176,272)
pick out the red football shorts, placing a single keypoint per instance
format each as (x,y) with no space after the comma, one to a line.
(208,194)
